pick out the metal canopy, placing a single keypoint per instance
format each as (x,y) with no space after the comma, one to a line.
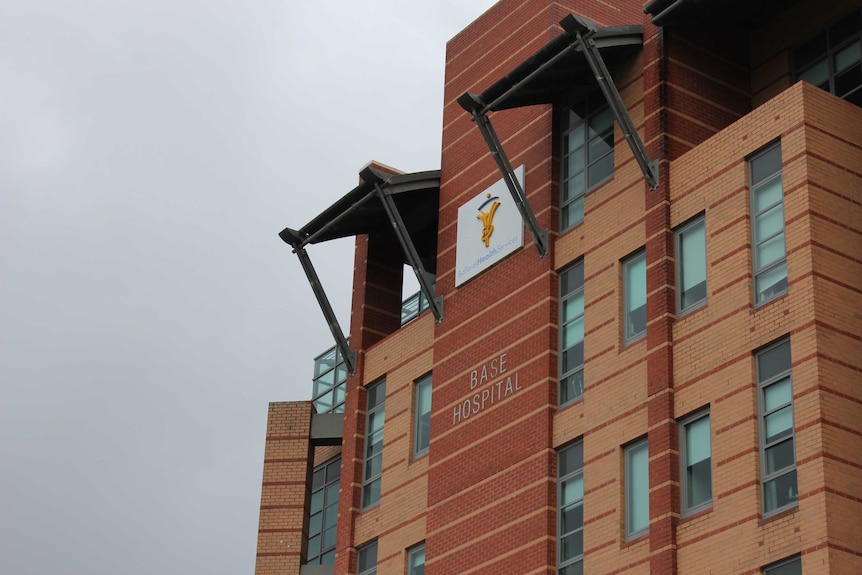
(571,61)
(714,14)
(401,209)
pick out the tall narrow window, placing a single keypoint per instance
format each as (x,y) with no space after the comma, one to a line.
(777,437)
(634,297)
(792,566)
(367,559)
(691,265)
(767,209)
(637,489)
(570,518)
(422,420)
(587,156)
(374,418)
(323,513)
(696,462)
(416,560)
(833,59)
(572,333)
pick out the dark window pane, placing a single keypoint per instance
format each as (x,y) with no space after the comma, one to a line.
(318,479)
(571,459)
(765,164)
(572,546)
(571,387)
(699,483)
(848,80)
(601,170)
(314,545)
(316,501)
(780,491)
(779,456)
(572,518)
(573,569)
(328,558)
(793,567)
(810,51)
(773,361)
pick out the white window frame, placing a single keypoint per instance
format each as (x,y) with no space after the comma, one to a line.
(631,337)
(373,412)
(763,384)
(762,269)
(573,474)
(370,547)
(779,567)
(687,508)
(595,106)
(635,488)
(578,369)
(680,234)
(422,421)
(413,555)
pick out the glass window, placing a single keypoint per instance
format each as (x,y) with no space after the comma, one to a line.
(792,566)
(572,333)
(832,60)
(691,265)
(696,461)
(634,297)
(422,420)
(323,513)
(570,509)
(416,560)
(637,489)
(777,436)
(328,386)
(367,559)
(374,418)
(587,155)
(767,210)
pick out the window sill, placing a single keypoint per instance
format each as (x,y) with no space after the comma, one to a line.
(778,514)
(774,298)
(640,537)
(695,514)
(691,309)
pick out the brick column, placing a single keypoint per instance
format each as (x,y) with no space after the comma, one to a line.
(284,494)
(661,307)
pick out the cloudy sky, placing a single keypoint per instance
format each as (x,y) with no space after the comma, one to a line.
(150,152)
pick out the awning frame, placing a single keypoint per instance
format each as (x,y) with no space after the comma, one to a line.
(375,184)
(581,33)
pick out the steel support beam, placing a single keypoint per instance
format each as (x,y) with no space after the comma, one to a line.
(423,277)
(325,307)
(583,31)
(539,235)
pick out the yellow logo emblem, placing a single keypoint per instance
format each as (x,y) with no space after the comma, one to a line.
(487,218)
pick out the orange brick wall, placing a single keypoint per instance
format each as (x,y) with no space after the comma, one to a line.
(283,519)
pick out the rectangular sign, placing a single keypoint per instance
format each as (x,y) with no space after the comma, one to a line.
(489,229)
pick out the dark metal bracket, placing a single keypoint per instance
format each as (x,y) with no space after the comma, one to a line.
(292,237)
(583,31)
(423,277)
(478,111)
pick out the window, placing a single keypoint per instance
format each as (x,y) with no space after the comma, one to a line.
(696,461)
(374,418)
(777,438)
(792,566)
(637,489)
(368,559)
(323,513)
(330,373)
(570,517)
(572,333)
(767,208)
(422,421)
(416,560)
(833,60)
(691,265)
(587,155)
(634,297)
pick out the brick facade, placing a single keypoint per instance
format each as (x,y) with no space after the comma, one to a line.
(484,498)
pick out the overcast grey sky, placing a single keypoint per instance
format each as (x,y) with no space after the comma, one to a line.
(150,152)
